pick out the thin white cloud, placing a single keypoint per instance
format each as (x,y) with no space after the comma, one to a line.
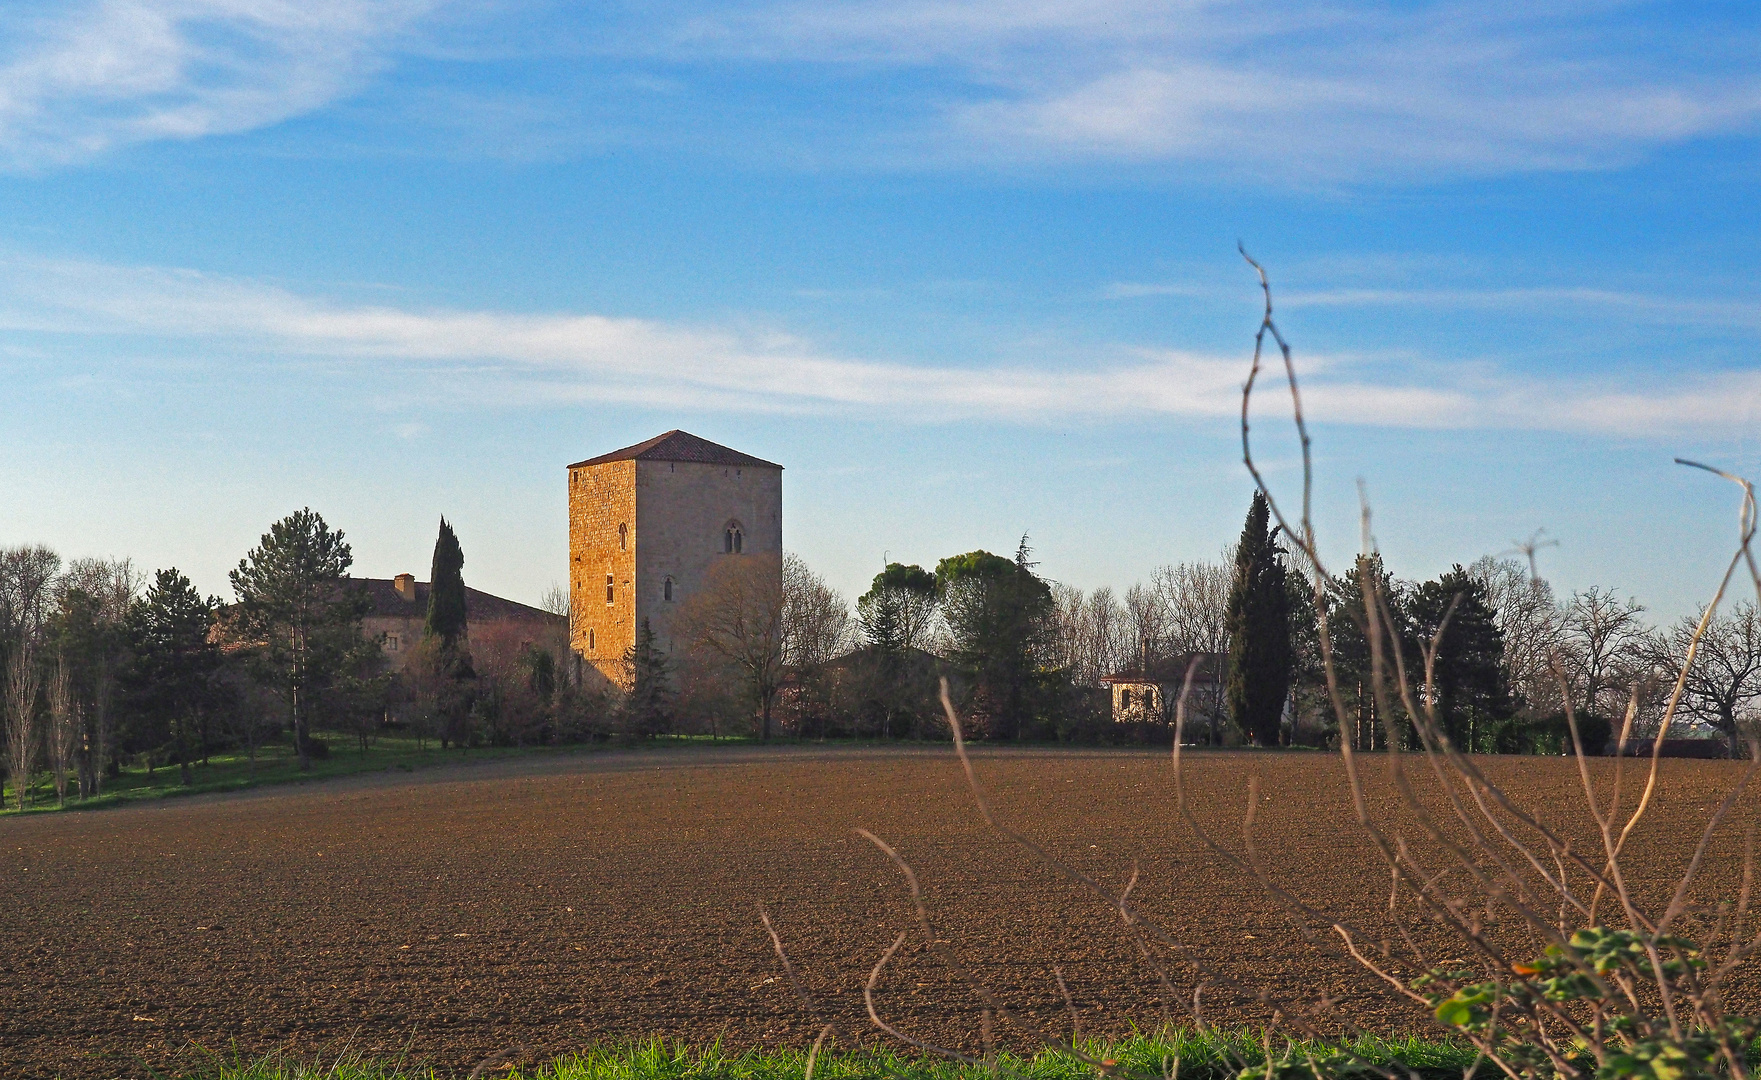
(1293,88)
(1738,313)
(515,358)
(83,78)
(1309,90)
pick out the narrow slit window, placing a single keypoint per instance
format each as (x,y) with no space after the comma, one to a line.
(608,588)
(667,590)
(623,537)
(589,641)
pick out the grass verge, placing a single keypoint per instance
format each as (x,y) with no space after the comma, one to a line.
(1200,1056)
(277,763)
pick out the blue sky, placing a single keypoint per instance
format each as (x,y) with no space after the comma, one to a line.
(966,269)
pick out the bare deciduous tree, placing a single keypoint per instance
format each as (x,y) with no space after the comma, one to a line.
(64,728)
(1721,688)
(1147,621)
(1091,639)
(113,583)
(556,601)
(1604,642)
(816,620)
(1067,630)
(736,618)
(22,683)
(1197,597)
(1529,618)
(94,597)
(27,575)
(1104,617)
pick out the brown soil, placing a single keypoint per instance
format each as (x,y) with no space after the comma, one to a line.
(615,896)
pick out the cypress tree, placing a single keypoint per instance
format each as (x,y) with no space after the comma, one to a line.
(1259,630)
(446,591)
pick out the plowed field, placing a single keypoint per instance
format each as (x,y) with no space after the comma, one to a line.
(615,895)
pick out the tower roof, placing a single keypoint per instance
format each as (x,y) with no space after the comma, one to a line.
(679,445)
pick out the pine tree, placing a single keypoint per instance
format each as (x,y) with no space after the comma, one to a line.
(1472,694)
(1259,630)
(446,589)
(895,612)
(998,614)
(1348,632)
(173,661)
(648,708)
(294,599)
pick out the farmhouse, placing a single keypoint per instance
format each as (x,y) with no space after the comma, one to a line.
(646,524)
(400,609)
(1151,696)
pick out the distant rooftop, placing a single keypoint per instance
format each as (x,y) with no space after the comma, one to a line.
(679,445)
(480,607)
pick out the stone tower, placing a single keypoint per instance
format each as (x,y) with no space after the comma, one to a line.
(646,524)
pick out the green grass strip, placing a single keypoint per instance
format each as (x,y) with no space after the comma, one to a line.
(1201,1056)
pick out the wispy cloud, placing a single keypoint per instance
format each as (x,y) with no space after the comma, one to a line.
(1735,313)
(81,78)
(526,359)
(1304,88)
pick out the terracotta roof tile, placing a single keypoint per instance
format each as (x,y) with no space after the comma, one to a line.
(678,445)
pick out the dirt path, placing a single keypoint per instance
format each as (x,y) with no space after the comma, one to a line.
(559,901)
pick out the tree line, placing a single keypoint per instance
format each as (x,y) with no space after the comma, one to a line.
(1511,655)
(102,666)
(1025,656)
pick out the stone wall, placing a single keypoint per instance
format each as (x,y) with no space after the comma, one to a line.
(396,634)
(683,510)
(601,498)
(676,515)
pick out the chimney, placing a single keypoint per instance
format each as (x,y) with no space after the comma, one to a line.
(405,584)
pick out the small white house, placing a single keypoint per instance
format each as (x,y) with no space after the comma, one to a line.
(1151,696)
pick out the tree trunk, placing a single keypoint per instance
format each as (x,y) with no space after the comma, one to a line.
(302,743)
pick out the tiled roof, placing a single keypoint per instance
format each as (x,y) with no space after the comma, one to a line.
(678,445)
(1173,670)
(479,606)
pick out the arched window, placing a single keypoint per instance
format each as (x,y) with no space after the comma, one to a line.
(667,590)
(623,536)
(733,538)
(608,592)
